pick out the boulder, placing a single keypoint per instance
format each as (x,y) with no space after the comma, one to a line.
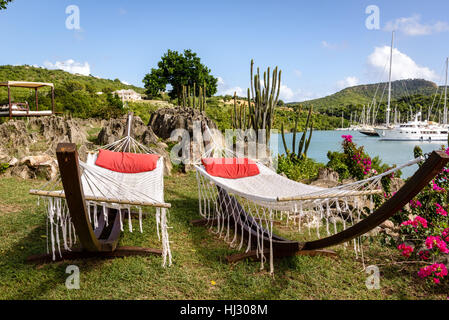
(31,167)
(327,178)
(387,224)
(165,121)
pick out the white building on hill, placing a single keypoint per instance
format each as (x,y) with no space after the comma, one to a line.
(128,95)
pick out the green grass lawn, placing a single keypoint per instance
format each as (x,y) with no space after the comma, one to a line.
(199,270)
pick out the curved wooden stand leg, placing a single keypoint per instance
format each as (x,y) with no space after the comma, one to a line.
(80,254)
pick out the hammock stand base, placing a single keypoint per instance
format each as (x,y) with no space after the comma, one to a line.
(284,247)
(101,242)
(254,256)
(80,254)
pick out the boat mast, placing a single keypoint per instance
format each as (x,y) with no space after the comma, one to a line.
(445,96)
(389,81)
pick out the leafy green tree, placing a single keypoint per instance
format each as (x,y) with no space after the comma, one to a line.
(4,3)
(177,70)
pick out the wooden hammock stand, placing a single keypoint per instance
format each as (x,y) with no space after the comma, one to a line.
(284,247)
(101,242)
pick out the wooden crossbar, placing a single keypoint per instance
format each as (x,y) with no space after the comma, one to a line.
(330,195)
(57,194)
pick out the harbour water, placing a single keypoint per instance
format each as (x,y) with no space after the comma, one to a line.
(390,152)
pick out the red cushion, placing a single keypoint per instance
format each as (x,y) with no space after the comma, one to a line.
(230,168)
(126,162)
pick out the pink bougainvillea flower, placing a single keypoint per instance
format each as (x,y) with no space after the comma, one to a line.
(438,270)
(436,187)
(440,210)
(348,138)
(417,222)
(415,204)
(435,241)
(406,250)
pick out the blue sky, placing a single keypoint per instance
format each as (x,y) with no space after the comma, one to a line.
(321,46)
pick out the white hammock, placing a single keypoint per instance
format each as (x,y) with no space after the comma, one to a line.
(269,197)
(105,189)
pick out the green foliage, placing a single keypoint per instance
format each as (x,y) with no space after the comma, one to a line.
(4,3)
(222,114)
(178,70)
(3,167)
(189,98)
(355,163)
(303,169)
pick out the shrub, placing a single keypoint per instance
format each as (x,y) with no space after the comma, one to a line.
(303,169)
(354,163)
(424,230)
(3,167)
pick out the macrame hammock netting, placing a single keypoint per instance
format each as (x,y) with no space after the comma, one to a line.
(269,199)
(104,190)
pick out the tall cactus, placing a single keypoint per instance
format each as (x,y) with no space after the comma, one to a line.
(264,98)
(304,142)
(189,98)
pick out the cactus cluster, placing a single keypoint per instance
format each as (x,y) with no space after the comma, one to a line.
(190,98)
(261,102)
(239,115)
(265,99)
(304,143)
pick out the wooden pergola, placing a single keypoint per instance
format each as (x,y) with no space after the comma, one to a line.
(22,109)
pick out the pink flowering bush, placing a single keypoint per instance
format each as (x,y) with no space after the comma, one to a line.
(354,163)
(424,230)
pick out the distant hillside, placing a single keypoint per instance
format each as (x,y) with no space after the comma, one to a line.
(60,77)
(364,94)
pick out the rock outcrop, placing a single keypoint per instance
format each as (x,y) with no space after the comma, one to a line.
(31,167)
(165,121)
(327,178)
(28,147)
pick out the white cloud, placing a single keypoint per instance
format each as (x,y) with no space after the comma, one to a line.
(286,93)
(403,66)
(69,65)
(224,89)
(298,73)
(412,26)
(326,44)
(334,46)
(289,95)
(124,82)
(347,82)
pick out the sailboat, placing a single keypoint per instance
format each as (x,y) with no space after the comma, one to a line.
(416,129)
(370,129)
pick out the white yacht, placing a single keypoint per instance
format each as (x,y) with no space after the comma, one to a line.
(416,130)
